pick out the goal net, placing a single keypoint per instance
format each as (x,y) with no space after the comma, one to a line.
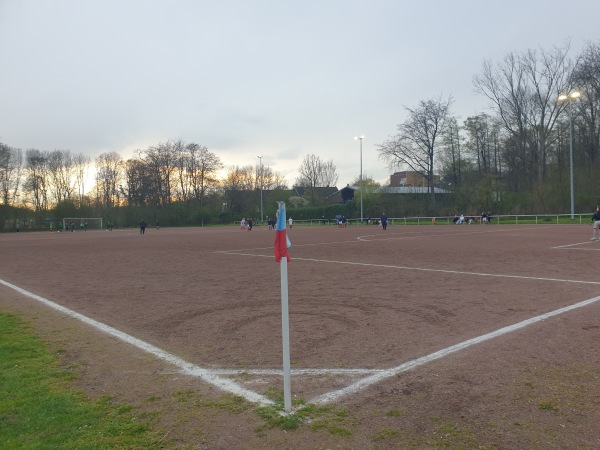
(82,223)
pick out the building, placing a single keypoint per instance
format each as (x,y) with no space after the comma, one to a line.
(348,193)
(411,178)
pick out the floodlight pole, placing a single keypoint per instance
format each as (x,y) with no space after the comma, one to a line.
(360,138)
(261,187)
(571,161)
(570,98)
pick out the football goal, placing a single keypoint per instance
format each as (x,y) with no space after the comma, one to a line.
(82,223)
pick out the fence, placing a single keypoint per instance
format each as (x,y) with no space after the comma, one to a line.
(447,220)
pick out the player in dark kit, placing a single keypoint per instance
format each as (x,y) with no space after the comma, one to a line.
(142,226)
(384,221)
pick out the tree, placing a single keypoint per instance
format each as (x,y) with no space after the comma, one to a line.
(11,167)
(586,79)
(139,188)
(416,143)
(108,177)
(268,179)
(523,90)
(81,163)
(36,183)
(314,173)
(61,171)
(372,193)
(196,170)
(238,180)
(161,161)
(452,165)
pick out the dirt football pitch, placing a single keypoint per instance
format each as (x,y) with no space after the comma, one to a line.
(438,336)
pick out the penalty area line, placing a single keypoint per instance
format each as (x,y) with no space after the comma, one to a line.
(184,366)
(380,376)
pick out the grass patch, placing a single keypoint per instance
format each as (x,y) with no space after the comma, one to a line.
(335,421)
(39,409)
(547,406)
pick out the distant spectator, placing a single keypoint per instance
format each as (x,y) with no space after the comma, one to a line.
(384,221)
(596,224)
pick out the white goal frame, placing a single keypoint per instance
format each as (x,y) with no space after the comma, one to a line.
(79,220)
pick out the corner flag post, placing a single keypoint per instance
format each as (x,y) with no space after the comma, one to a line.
(281,255)
(285,334)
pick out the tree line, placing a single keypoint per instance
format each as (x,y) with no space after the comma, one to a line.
(514,159)
(518,156)
(173,176)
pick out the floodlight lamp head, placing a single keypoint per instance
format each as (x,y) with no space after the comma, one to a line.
(562,97)
(575,94)
(356,138)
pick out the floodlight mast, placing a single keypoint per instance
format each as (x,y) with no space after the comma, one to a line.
(261,187)
(360,183)
(570,97)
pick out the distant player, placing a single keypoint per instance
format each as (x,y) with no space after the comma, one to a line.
(142,225)
(596,224)
(384,220)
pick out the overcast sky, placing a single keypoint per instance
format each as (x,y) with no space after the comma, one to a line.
(276,78)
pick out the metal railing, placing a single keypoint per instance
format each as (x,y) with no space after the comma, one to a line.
(559,219)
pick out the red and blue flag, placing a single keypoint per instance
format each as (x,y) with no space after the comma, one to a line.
(282,243)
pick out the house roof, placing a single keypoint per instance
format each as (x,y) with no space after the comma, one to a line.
(404,189)
(412,190)
(318,191)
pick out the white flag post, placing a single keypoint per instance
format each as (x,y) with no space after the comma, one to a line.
(285,335)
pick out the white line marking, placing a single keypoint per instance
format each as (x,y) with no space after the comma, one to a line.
(279,372)
(455,272)
(384,235)
(185,367)
(577,244)
(458,272)
(368,381)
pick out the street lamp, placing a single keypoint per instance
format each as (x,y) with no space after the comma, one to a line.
(261,187)
(360,138)
(571,97)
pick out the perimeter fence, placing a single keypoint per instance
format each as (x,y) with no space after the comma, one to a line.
(559,219)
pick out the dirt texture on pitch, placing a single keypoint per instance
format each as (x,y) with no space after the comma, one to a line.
(362,301)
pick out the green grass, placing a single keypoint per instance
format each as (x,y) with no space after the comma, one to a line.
(335,421)
(39,409)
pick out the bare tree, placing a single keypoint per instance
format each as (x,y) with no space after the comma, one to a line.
(586,78)
(268,179)
(139,183)
(162,162)
(523,90)
(315,173)
(36,183)
(196,170)
(416,143)
(61,170)
(238,179)
(81,163)
(11,167)
(451,159)
(109,168)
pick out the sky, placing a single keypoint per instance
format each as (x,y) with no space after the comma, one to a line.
(273,78)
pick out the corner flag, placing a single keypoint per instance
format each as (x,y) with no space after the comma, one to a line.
(282,243)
